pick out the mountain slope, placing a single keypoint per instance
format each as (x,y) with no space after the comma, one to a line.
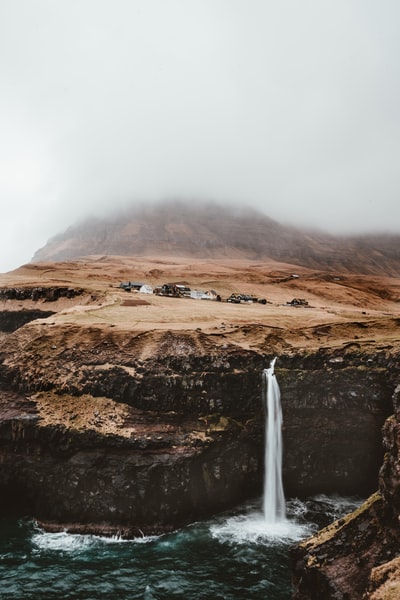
(212,231)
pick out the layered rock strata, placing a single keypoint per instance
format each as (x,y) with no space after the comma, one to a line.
(144,432)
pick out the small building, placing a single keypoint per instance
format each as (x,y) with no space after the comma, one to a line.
(174,290)
(211,295)
(197,294)
(298,302)
(128,286)
(146,289)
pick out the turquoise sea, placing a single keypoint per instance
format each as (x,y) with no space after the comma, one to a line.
(233,556)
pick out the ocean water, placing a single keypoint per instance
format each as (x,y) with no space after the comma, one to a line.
(234,556)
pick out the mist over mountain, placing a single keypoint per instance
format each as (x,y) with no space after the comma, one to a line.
(200,230)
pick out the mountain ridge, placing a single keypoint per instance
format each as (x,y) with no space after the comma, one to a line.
(211,231)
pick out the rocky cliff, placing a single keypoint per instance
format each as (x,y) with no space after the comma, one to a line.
(106,434)
(139,416)
(358,557)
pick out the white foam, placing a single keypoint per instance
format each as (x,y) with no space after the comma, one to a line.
(73,542)
(62,541)
(254,528)
(338,505)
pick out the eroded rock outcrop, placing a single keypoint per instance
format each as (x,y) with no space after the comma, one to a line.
(11,320)
(338,561)
(35,293)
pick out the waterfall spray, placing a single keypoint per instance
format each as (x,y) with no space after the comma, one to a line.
(274,498)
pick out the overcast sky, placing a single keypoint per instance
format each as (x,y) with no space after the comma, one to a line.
(289,106)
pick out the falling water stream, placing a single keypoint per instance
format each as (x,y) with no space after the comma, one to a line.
(274,498)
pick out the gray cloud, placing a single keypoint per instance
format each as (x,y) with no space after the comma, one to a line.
(290,107)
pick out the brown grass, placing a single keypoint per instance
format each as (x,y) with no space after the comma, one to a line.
(342,308)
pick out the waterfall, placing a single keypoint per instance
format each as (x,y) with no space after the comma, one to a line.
(274,498)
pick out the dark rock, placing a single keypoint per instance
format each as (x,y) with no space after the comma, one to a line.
(48,293)
(11,320)
(192,442)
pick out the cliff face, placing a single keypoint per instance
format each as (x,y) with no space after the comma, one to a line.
(151,432)
(89,482)
(390,472)
(334,406)
(357,557)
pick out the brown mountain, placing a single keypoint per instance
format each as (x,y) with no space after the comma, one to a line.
(214,231)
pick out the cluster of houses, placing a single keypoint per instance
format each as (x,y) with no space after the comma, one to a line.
(179,290)
(173,290)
